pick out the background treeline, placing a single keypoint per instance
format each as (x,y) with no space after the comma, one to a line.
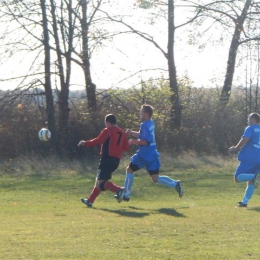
(207,126)
(49,46)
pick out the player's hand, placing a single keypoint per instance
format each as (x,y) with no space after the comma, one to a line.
(81,143)
(128,131)
(232,149)
(131,141)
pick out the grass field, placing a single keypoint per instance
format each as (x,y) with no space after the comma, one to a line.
(41,217)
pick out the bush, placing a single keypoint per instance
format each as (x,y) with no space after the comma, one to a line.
(207,126)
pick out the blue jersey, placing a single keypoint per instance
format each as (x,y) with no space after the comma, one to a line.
(250,152)
(149,151)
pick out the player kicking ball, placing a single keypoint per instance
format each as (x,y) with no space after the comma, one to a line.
(114,142)
(147,155)
(249,156)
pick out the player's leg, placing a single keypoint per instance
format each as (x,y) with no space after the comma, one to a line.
(94,193)
(247,172)
(244,172)
(249,192)
(153,169)
(136,163)
(109,166)
(106,166)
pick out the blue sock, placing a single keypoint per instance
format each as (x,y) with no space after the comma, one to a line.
(248,193)
(245,177)
(165,180)
(129,180)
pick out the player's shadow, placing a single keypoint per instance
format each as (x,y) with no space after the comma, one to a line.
(171,212)
(126,213)
(255,209)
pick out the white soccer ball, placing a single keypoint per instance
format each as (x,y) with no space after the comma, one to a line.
(44,134)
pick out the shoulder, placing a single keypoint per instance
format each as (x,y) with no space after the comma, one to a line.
(105,131)
(116,129)
(147,123)
(248,128)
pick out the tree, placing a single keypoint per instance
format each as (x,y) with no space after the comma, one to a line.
(244,19)
(63,26)
(85,24)
(47,69)
(167,8)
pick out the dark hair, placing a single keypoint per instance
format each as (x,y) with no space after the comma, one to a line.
(110,119)
(147,109)
(255,116)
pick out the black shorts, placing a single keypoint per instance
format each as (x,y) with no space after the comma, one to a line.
(107,165)
(135,168)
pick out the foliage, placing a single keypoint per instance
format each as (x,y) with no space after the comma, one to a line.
(207,127)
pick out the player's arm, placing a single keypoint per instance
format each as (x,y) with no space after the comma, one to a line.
(132,133)
(96,141)
(240,144)
(137,142)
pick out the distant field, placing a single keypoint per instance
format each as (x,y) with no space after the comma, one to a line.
(41,216)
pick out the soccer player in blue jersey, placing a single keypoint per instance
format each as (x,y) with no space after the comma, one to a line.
(147,155)
(249,156)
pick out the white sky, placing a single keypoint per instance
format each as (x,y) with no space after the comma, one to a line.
(109,66)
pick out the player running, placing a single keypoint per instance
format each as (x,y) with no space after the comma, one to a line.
(147,155)
(114,142)
(249,156)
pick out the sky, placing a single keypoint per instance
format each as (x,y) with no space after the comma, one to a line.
(124,55)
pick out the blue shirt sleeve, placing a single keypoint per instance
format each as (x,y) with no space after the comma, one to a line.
(248,132)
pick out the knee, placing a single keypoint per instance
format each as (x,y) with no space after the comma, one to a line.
(235,179)
(154,178)
(101,185)
(129,170)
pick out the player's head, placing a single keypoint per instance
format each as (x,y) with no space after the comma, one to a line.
(110,120)
(146,112)
(253,119)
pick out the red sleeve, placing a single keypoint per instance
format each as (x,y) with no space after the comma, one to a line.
(98,140)
(126,145)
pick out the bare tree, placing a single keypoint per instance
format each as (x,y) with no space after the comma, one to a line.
(52,30)
(167,8)
(85,24)
(243,17)
(47,69)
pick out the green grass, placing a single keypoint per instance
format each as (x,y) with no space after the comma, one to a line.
(41,217)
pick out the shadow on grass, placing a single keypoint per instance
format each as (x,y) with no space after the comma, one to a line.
(171,212)
(133,214)
(255,209)
(126,213)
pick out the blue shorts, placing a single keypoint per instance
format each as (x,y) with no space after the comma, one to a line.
(243,167)
(152,166)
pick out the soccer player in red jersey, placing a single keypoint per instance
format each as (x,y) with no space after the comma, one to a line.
(114,142)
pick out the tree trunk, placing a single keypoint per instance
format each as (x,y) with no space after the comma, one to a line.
(175,99)
(47,85)
(64,79)
(90,86)
(226,90)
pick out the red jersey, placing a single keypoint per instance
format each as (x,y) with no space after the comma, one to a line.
(113,141)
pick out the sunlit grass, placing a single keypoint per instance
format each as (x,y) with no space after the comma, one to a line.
(41,215)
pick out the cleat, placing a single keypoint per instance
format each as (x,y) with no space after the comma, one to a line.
(120,195)
(256,180)
(179,188)
(241,204)
(124,198)
(86,202)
